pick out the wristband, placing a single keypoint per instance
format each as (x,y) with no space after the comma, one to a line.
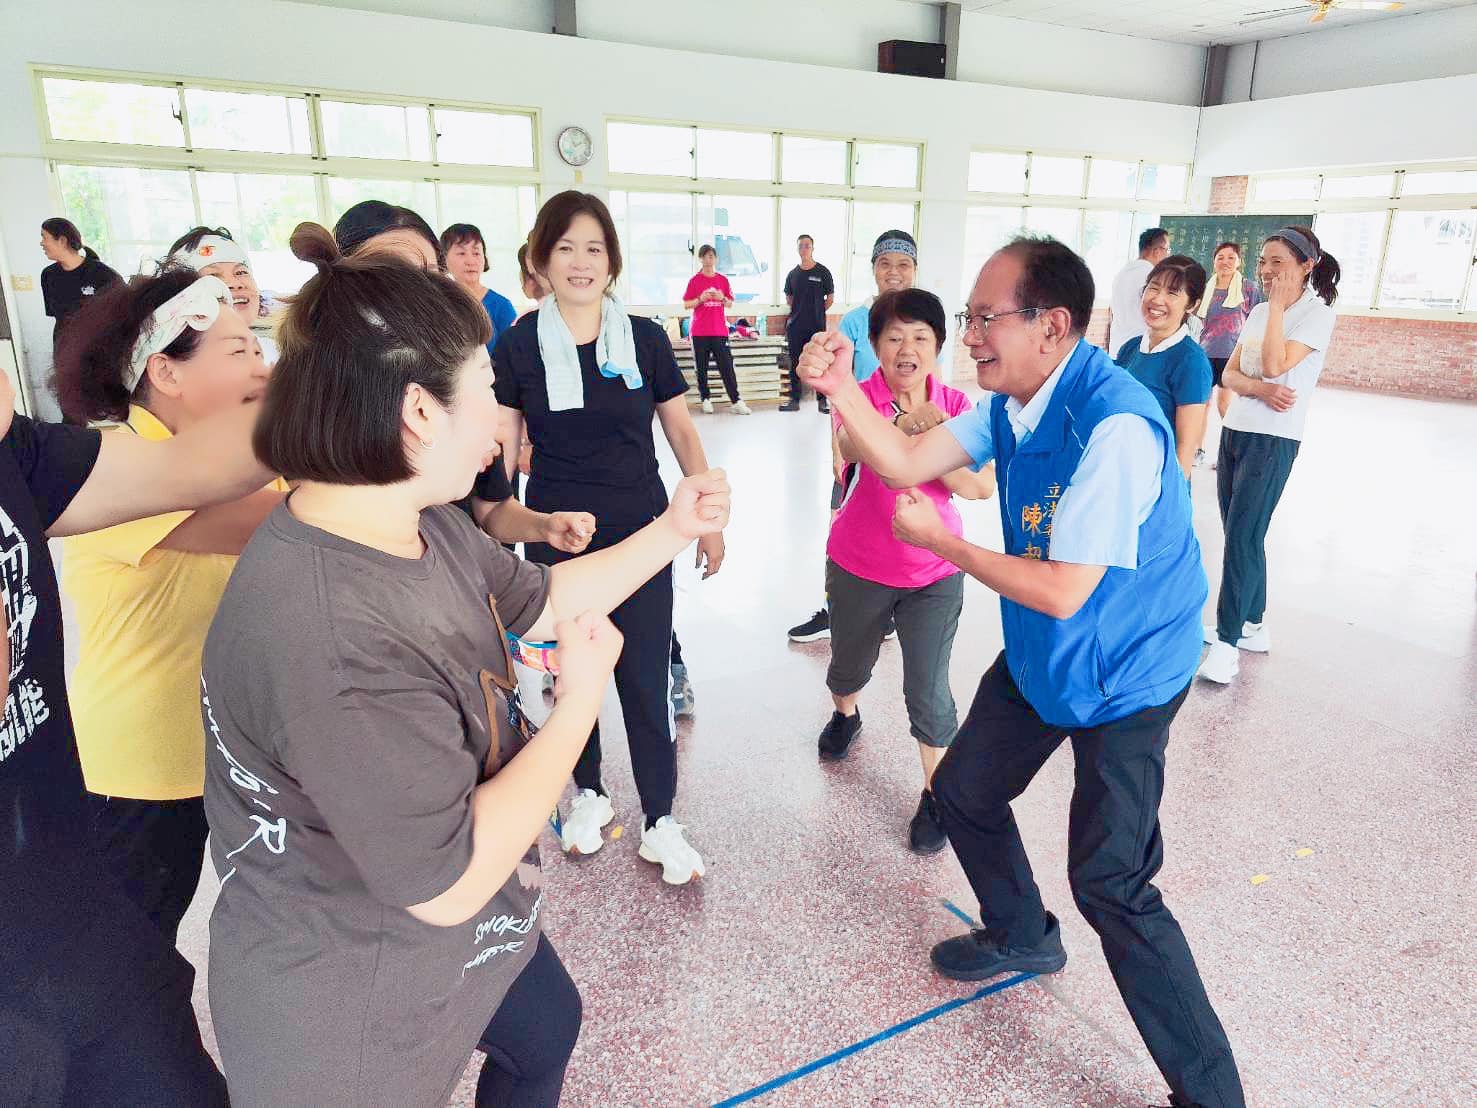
(535,655)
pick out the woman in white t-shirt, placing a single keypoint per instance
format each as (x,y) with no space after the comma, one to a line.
(1272,372)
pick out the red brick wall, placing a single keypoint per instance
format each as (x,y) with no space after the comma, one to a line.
(1228,195)
(1420,357)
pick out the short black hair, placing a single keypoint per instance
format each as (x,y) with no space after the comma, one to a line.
(799,237)
(374,217)
(558,215)
(1052,276)
(706,248)
(1148,239)
(908,306)
(1180,273)
(459,233)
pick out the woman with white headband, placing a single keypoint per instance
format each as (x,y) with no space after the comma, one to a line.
(1272,371)
(214,253)
(167,355)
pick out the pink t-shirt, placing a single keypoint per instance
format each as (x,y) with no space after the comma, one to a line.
(708,318)
(861,539)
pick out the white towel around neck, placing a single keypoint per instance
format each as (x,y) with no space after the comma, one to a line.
(615,353)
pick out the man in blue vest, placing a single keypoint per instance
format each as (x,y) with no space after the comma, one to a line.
(1101,589)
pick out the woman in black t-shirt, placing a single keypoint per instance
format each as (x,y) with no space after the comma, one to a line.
(75,275)
(587,380)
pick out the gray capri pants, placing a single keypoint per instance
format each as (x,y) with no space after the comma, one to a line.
(926,621)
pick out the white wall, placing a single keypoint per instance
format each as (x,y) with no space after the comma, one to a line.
(570,81)
(1038,55)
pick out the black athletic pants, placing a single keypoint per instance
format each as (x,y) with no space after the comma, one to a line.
(1251,472)
(797,390)
(155,849)
(532,1035)
(716,349)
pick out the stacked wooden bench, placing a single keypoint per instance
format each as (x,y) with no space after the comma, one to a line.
(756,364)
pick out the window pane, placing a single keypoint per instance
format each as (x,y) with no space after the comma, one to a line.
(1056,176)
(247,121)
(484,138)
(886,165)
(812,160)
(740,155)
(741,230)
(824,221)
(1345,188)
(1285,188)
(994,172)
(345,192)
(1428,259)
(656,242)
(1107,245)
(1164,182)
(643,148)
(504,214)
(868,221)
(1142,221)
(1112,180)
(129,216)
(986,230)
(1062,224)
(1430,184)
(98,111)
(260,211)
(376,131)
(1354,238)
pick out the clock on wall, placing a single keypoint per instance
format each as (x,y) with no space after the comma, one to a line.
(575,146)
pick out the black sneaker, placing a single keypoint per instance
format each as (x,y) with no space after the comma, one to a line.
(817,626)
(822,404)
(926,831)
(975,957)
(838,735)
(790,406)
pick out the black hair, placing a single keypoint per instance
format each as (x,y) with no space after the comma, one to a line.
(459,233)
(908,306)
(1326,273)
(1236,246)
(1150,238)
(1180,273)
(799,237)
(191,239)
(896,233)
(706,248)
(374,217)
(554,220)
(1052,276)
(65,229)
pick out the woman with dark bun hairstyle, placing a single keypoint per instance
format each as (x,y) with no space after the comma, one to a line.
(374,790)
(75,275)
(1272,371)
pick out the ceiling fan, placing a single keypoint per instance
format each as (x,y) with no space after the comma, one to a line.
(1321,8)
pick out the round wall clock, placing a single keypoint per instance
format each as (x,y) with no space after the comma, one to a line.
(575,146)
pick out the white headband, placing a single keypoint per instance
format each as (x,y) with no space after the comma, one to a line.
(211,250)
(198,306)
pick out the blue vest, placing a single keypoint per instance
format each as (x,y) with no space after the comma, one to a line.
(1137,640)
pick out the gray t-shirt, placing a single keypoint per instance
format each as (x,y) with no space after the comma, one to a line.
(350,700)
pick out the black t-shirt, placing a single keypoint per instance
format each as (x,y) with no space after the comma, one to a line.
(600,458)
(65,291)
(809,289)
(492,485)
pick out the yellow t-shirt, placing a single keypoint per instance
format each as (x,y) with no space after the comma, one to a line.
(143,614)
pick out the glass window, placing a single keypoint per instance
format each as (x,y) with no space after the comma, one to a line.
(1110,180)
(1107,245)
(990,171)
(345,192)
(1062,224)
(1432,184)
(868,221)
(1056,176)
(813,160)
(129,216)
(105,111)
(824,220)
(741,230)
(1142,221)
(1164,182)
(1285,188)
(261,210)
(247,121)
(504,214)
(656,243)
(483,138)
(1354,238)
(376,131)
(1428,259)
(645,148)
(886,165)
(1351,188)
(737,155)
(986,230)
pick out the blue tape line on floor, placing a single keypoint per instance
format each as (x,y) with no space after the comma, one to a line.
(882,1036)
(959,913)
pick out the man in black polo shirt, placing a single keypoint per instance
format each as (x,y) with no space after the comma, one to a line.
(809,291)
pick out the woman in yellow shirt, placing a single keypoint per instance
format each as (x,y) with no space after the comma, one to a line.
(163,354)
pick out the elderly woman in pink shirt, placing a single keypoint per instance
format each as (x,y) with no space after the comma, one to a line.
(874,578)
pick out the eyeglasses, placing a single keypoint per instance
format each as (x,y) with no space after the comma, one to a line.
(966,321)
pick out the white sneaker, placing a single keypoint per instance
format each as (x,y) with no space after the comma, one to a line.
(740,408)
(665,845)
(580,832)
(1254,637)
(707,407)
(1222,663)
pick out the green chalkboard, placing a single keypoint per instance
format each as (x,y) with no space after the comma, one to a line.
(1199,235)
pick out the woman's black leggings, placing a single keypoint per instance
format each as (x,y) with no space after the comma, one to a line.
(531,1036)
(715,347)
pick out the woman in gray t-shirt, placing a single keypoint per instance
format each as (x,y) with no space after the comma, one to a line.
(373,791)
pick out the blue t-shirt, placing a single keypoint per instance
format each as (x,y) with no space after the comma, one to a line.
(855,325)
(502,313)
(1176,374)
